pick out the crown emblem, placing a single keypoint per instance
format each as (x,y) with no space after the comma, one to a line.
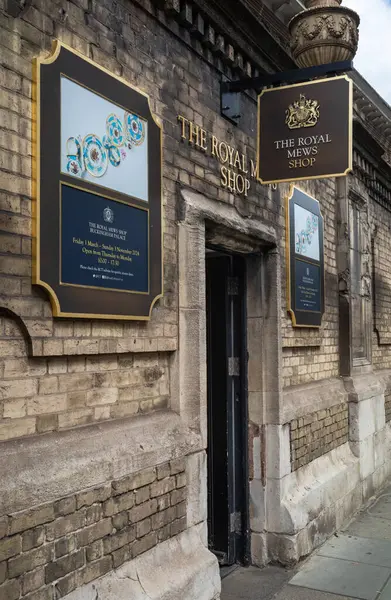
(302,113)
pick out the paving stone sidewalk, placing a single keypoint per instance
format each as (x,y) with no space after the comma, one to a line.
(355,564)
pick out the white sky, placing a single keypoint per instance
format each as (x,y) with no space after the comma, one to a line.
(373,59)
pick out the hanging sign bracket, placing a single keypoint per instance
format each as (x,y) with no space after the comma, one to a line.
(230,90)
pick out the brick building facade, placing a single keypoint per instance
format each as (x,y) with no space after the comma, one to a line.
(105,426)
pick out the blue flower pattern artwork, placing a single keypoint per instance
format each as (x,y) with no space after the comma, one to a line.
(74,157)
(135,129)
(115,131)
(305,237)
(93,154)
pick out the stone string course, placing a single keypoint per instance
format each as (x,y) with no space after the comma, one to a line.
(318,433)
(49,550)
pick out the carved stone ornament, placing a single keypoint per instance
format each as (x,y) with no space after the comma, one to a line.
(324,33)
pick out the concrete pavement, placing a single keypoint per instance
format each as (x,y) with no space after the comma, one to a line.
(253,584)
(355,564)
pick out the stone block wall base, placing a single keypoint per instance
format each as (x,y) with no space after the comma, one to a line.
(289,549)
(375,482)
(309,504)
(315,501)
(179,569)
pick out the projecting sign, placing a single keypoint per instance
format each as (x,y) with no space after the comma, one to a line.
(98,241)
(305,131)
(305,259)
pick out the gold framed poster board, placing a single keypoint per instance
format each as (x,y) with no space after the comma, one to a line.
(304,259)
(98,191)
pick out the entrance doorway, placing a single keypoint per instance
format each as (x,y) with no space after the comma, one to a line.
(227,407)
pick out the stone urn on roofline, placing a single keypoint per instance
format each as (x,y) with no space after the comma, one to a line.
(325,32)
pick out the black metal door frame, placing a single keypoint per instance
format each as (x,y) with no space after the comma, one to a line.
(227,398)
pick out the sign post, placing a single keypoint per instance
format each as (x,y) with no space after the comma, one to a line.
(305,131)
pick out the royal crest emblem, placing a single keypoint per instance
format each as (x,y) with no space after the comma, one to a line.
(302,113)
(108,215)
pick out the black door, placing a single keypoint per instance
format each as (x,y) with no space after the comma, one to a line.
(227,407)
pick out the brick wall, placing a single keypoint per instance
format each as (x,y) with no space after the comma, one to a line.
(46,394)
(104,31)
(127,38)
(312,354)
(318,433)
(49,550)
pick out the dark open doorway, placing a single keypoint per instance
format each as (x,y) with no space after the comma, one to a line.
(227,407)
